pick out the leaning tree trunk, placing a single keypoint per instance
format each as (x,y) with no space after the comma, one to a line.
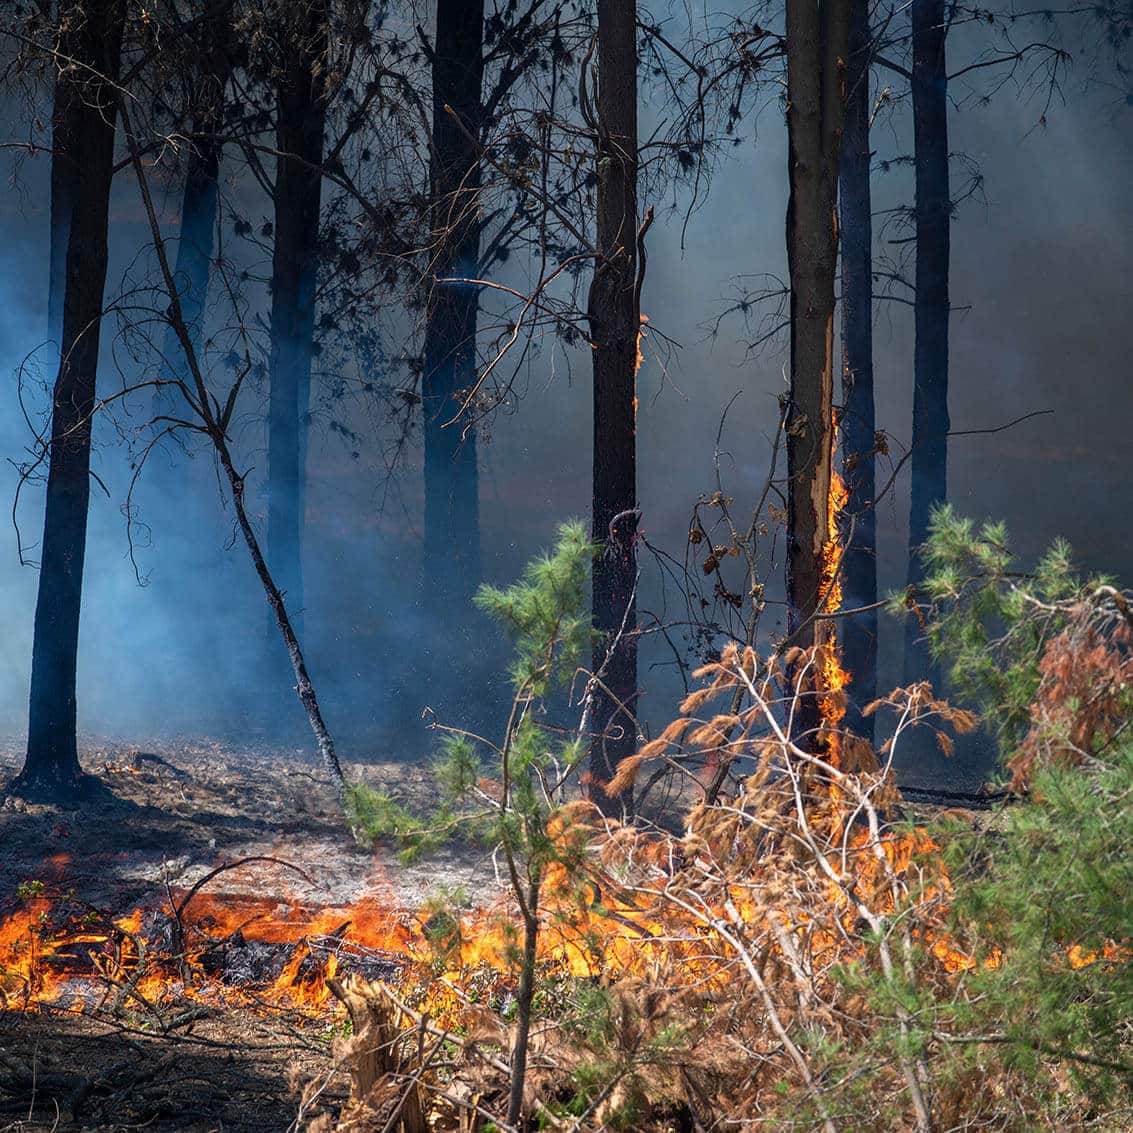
(614,314)
(93,40)
(451,567)
(817,42)
(194,257)
(214,424)
(930,365)
(300,134)
(199,200)
(858,424)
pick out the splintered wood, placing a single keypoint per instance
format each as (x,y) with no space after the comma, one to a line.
(385,1059)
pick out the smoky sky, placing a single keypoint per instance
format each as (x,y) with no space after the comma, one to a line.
(1040,282)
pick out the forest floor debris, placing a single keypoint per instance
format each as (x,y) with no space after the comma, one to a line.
(163,817)
(172,812)
(215,1050)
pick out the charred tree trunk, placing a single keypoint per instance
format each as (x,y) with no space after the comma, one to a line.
(930,365)
(300,136)
(93,38)
(452,495)
(199,198)
(194,251)
(817,41)
(451,559)
(214,426)
(64,189)
(615,321)
(858,423)
(64,181)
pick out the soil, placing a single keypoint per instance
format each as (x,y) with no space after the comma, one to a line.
(172,812)
(166,815)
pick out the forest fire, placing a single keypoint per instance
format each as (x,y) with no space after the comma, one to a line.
(211,948)
(833,678)
(247,950)
(299,266)
(634,910)
(262,952)
(639,358)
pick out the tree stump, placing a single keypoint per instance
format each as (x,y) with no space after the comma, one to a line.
(385,1095)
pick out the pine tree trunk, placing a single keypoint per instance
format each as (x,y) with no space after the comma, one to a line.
(199,202)
(194,256)
(817,41)
(300,135)
(451,567)
(930,365)
(65,176)
(615,321)
(86,115)
(64,189)
(858,635)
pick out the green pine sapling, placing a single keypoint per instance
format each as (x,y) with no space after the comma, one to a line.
(507,793)
(1041,900)
(977,616)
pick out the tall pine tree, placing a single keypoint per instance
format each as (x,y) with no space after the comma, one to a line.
(90,46)
(614,314)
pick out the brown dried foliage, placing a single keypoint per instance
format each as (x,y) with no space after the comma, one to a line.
(1083,698)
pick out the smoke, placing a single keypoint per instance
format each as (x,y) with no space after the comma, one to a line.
(1039,281)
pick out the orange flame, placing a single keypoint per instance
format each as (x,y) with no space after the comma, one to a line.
(640,357)
(833,678)
(49,955)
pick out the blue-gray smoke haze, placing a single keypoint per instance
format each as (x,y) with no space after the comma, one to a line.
(1040,281)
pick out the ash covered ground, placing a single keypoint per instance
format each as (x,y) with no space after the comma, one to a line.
(171,812)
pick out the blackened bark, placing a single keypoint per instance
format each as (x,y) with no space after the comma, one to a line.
(199,197)
(930,366)
(614,315)
(300,137)
(214,428)
(93,39)
(858,634)
(817,41)
(195,244)
(452,491)
(64,189)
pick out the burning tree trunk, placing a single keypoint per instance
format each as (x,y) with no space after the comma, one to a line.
(858,423)
(92,38)
(452,496)
(817,43)
(300,130)
(930,367)
(614,313)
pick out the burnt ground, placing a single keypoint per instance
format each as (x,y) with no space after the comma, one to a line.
(171,812)
(231,1072)
(166,815)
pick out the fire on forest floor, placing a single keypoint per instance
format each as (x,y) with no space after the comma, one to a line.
(95,1015)
(201,989)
